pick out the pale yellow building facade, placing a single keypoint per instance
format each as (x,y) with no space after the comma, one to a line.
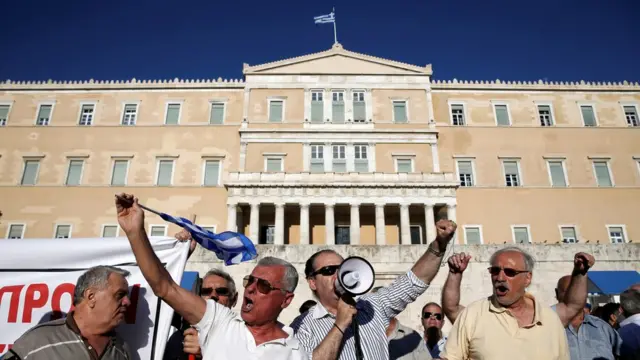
(335,147)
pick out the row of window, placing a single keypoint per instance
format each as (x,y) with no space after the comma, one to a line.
(546,115)
(276,106)
(521,234)
(555,167)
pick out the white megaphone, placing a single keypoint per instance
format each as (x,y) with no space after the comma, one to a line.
(355,276)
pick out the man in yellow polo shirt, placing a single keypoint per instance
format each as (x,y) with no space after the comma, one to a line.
(511,324)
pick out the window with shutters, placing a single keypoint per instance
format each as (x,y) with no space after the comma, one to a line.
(273,164)
(457,114)
(337,107)
(172,116)
(511,172)
(109,231)
(74,172)
(545,115)
(44,114)
(30,172)
(276,110)
(339,158)
(343,235)
(602,173)
(4,114)
(119,172)
(502,114)
(130,114)
(217,113)
(557,175)
(404,165)
(361,158)
(617,234)
(521,234)
(211,173)
(158,230)
(63,232)
(416,234)
(569,234)
(630,114)
(465,172)
(165,172)
(317,106)
(400,114)
(588,115)
(359,107)
(267,234)
(86,114)
(473,235)
(16,231)
(317,158)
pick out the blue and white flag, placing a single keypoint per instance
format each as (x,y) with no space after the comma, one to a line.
(325,19)
(232,247)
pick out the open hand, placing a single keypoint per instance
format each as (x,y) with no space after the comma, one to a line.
(458,263)
(130,214)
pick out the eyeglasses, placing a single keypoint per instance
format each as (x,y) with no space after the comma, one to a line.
(326,270)
(427,315)
(221,291)
(263,285)
(508,272)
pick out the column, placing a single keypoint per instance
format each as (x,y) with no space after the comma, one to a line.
(405,230)
(350,153)
(348,105)
(330,236)
(435,157)
(306,157)
(243,155)
(380,225)
(327,99)
(430,223)
(328,157)
(430,114)
(279,240)
(304,224)
(254,223)
(371,155)
(245,107)
(232,220)
(368,103)
(307,104)
(354,228)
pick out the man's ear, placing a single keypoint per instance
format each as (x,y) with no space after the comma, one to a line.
(287,300)
(235,300)
(90,296)
(312,283)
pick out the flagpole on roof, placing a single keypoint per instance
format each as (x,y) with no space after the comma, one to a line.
(335,33)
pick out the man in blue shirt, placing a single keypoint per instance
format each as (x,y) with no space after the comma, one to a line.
(589,337)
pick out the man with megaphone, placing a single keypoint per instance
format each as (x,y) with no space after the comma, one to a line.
(339,327)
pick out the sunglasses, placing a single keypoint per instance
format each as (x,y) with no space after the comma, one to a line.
(262,285)
(508,272)
(326,270)
(427,315)
(221,291)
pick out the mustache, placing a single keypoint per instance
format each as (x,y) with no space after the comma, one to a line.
(498,284)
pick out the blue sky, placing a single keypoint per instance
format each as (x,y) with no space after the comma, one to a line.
(464,39)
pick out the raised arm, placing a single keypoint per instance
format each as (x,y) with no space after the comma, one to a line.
(451,291)
(576,295)
(428,265)
(329,347)
(131,220)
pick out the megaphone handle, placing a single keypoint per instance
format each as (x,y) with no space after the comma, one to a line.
(356,338)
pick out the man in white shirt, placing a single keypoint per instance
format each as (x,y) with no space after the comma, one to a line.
(630,326)
(223,334)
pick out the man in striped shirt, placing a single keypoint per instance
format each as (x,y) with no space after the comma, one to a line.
(325,330)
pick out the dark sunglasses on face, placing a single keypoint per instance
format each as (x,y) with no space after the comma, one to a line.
(326,270)
(427,315)
(262,285)
(221,291)
(508,272)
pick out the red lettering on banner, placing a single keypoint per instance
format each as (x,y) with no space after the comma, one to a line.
(66,288)
(31,302)
(14,302)
(5,346)
(130,315)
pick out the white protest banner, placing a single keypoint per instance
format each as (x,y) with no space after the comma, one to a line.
(38,276)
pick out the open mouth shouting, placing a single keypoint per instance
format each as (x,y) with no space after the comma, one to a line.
(501,290)
(247,304)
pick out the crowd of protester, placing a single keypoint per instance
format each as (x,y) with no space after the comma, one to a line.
(510,323)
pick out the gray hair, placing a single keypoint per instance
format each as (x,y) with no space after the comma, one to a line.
(290,278)
(630,302)
(529,261)
(223,274)
(96,277)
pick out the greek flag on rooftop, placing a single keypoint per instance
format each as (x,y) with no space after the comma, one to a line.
(229,246)
(325,19)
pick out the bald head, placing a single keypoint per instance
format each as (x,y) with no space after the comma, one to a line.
(563,285)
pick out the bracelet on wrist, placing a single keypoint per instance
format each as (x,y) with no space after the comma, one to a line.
(337,327)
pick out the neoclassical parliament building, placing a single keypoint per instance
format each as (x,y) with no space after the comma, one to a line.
(335,147)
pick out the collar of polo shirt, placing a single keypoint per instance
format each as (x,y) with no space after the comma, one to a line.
(537,319)
(290,341)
